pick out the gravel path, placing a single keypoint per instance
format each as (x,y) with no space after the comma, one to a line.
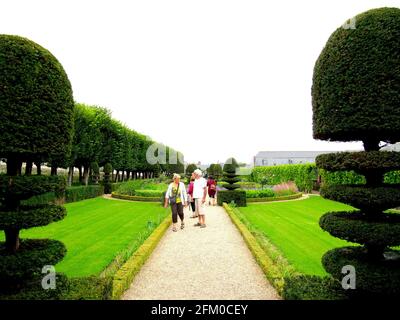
(207,264)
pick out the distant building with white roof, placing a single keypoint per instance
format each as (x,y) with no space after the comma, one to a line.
(274,158)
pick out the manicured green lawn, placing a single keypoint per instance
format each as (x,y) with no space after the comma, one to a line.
(95,230)
(293,227)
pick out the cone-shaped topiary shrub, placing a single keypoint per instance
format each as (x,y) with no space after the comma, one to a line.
(229,175)
(94,172)
(231,180)
(189,170)
(356,96)
(36,122)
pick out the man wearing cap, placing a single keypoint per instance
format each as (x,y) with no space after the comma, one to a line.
(199,196)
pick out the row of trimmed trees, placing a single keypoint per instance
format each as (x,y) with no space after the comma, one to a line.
(40,123)
(99,140)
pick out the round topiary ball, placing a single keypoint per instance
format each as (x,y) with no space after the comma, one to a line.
(36,102)
(356,82)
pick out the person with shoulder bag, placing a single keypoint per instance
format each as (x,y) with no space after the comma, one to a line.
(190,197)
(176,197)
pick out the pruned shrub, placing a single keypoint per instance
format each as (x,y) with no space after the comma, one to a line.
(310,287)
(230,177)
(228,196)
(36,122)
(149,193)
(356,96)
(260,193)
(79,193)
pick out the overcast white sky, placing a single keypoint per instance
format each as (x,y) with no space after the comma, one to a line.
(212,79)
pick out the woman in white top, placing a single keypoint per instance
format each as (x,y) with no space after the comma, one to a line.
(176,196)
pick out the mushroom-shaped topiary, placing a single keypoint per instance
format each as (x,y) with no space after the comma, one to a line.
(356,97)
(36,122)
(357,80)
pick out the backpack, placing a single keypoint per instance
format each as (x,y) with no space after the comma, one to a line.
(213,186)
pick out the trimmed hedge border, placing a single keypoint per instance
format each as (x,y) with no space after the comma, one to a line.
(270,199)
(79,193)
(273,274)
(368,198)
(360,162)
(125,275)
(135,198)
(373,278)
(89,288)
(354,226)
(28,217)
(29,260)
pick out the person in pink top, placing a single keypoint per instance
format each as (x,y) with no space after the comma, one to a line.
(190,196)
(212,190)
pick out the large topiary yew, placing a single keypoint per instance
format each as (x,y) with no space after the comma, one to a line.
(356,97)
(36,122)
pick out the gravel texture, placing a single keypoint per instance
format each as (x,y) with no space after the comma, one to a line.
(202,264)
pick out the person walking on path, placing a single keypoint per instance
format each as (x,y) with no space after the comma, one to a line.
(176,196)
(212,189)
(199,195)
(190,196)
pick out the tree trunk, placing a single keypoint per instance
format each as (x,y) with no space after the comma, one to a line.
(374,178)
(70,175)
(86,175)
(128,173)
(53,171)
(375,252)
(28,168)
(12,240)
(38,168)
(371,145)
(80,174)
(13,166)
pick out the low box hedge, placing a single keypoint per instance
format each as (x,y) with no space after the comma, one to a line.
(228,196)
(271,271)
(125,275)
(136,198)
(266,193)
(89,288)
(149,193)
(289,283)
(311,287)
(72,194)
(281,198)
(79,193)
